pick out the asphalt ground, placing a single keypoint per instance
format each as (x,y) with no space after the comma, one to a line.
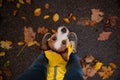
(12,28)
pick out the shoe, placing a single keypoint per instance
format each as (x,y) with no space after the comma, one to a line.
(73,39)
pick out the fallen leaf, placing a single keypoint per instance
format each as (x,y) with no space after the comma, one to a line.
(112,65)
(31,43)
(55,17)
(37,12)
(29,35)
(92,23)
(1,1)
(54,31)
(18,5)
(46,16)
(70,15)
(20,43)
(98,65)
(2,54)
(104,36)
(15,12)
(42,30)
(7,63)
(97,15)
(28,1)
(5,44)
(105,72)
(89,59)
(24,18)
(21,2)
(74,18)
(47,6)
(66,20)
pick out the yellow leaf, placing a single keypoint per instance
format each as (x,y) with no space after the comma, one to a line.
(55,17)
(21,1)
(66,20)
(46,6)
(74,18)
(2,54)
(53,31)
(31,43)
(20,43)
(112,65)
(98,65)
(46,16)
(5,44)
(37,12)
(18,5)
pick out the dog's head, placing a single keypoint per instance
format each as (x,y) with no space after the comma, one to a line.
(57,42)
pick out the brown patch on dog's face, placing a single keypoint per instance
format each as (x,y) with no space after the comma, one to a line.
(52,41)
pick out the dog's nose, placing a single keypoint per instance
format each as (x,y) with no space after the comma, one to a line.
(63,30)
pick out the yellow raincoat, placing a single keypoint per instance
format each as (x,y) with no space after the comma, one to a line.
(56,64)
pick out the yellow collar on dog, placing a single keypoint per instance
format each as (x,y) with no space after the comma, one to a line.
(56,64)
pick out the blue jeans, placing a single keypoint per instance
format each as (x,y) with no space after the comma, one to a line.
(38,69)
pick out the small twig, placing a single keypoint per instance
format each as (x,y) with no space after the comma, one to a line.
(21,50)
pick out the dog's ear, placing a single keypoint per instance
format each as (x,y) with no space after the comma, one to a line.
(45,41)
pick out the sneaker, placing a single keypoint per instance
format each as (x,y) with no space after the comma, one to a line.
(73,39)
(44,41)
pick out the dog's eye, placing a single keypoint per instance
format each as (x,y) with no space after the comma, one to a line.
(54,38)
(64,42)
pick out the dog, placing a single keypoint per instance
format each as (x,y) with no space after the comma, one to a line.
(58,42)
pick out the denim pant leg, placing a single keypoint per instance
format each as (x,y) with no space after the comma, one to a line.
(37,71)
(74,69)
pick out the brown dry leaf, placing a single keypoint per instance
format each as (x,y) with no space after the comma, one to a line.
(5,44)
(18,5)
(46,16)
(97,15)
(37,12)
(47,6)
(28,1)
(55,17)
(112,65)
(70,15)
(2,54)
(15,12)
(88,71)
(113,19)
(54,31)
(24,18)
(42,30)
(21,2)
(89,59)
(66,20)
(29,35)
(104,36)
(1,3)
(92,23)
(106,72)
(20,43)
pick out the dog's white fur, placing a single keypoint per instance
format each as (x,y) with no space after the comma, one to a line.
(60,37)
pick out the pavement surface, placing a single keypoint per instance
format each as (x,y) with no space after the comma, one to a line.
(12,28)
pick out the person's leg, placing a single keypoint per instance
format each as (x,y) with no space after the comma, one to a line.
(37,71)
(74,69)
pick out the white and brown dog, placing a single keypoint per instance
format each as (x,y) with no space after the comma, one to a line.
(59,41)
